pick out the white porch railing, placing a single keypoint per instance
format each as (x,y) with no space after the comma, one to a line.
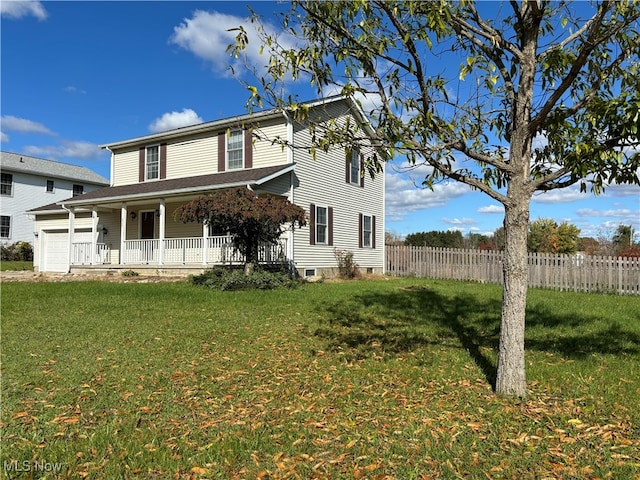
(176,251)
(81,254)
(190,251)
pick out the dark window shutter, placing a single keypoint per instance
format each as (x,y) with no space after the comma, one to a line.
(347,167)
(362,171)
(222,138)
(373,231)
(312,224)
(359,230)
(141,164)
(248,149)
(163,160)
(330,222)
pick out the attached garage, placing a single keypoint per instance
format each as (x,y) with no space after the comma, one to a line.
(55,249)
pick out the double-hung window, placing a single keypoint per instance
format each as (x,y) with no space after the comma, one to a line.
(6,184)
(152,163)
(321,225)
(235,142)
(5,226)
(367,230)
(77,190)
(354,166)
(50,186)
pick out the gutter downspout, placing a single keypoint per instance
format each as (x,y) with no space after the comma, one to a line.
(111,165)
(72,228)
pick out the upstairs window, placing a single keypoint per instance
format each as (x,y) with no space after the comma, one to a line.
(6,184)
(50,186)
(235,142)
(5,226)
(152,163)
(77,190)
(354,168)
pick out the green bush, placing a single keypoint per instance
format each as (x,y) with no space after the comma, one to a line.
(234,279)
(17,252)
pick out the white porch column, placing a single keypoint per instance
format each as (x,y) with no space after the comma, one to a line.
(205,246)
(162,232)
(94,233)
(72,228)
(123,231)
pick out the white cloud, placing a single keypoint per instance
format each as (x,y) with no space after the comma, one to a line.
(207,36)
(67,149)
(620,212)
(491,209)
(73,89)
(459,224)
(4,138)
(18,9)
(16,124)
(171,120)
(402,195)
(562,195)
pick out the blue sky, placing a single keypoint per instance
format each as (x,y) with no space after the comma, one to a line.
(76,75)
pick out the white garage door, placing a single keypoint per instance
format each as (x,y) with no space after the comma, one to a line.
(55,250)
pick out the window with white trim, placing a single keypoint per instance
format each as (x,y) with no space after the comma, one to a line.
(77,190)
(5,226)
(321,225)
(152,163)
(6,184)
(50,186)
(354,166)
(367,230)
(235,150)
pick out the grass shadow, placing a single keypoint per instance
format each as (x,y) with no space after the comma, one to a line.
(413,317)
(410,318)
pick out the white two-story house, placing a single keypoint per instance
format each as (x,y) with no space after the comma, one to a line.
(131,224)
(28,182)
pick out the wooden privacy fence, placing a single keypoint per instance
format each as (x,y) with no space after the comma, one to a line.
(558,272)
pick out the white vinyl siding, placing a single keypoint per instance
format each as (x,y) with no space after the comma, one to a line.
(192,157)
(126,167)
(322,182)
(264,153)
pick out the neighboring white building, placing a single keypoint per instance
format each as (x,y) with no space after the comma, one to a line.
(29,182)
(130,225)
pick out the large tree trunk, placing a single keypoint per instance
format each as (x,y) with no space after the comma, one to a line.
(511,377)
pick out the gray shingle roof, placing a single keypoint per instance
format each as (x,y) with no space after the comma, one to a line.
(16,162)
(175,186)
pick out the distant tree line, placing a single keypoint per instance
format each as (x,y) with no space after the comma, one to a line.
(544,236)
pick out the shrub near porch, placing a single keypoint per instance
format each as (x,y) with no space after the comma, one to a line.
(364,379)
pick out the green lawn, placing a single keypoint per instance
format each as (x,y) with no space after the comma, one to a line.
(368,379)
(12,266)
